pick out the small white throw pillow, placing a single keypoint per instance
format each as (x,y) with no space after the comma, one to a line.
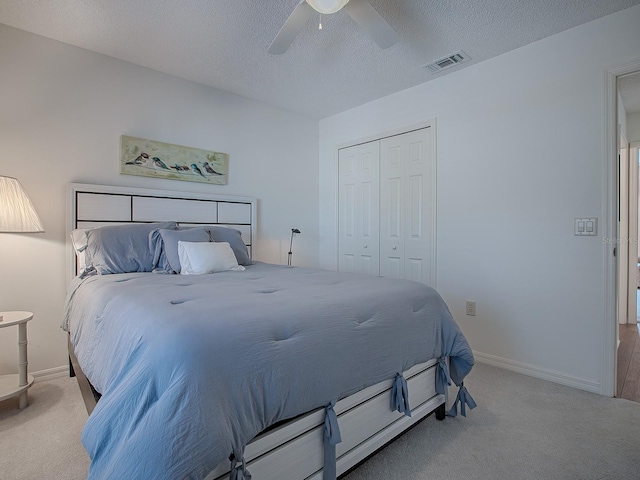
(197,258)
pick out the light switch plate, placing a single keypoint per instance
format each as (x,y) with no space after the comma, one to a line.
(585,226)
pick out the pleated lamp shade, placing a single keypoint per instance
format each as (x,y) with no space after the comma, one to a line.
(16,210)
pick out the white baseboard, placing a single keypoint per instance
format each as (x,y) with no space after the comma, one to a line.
(51,373)
(537,372)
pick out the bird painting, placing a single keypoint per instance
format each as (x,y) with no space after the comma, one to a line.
(197,170)
(159,163)
(140,160)
(149,158)
(180,168)
(210,170)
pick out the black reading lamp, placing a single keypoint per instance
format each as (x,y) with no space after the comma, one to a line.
(293,233)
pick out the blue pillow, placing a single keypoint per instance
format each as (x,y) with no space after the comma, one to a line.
(164,244)
(121,248)
(234,238)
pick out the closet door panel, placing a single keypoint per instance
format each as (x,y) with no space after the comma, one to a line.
(406,203)
(368,261)
(359,213)
(348,263)
(393,267)
(420,205)
(347,214)
(368,208)
(392,213)
(414,270)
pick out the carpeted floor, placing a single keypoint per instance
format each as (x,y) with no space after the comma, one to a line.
(43,440)
(523,428)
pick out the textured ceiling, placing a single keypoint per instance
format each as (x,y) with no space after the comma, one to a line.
(223,43)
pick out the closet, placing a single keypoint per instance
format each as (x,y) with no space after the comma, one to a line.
(386,201)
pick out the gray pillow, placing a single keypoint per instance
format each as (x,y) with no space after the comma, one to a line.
(234,238)
(169,247)
(164,245)
(121,248)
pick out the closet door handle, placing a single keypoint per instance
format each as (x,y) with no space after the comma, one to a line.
(365,245)
(394,248)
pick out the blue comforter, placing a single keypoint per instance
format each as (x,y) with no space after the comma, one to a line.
(191,368)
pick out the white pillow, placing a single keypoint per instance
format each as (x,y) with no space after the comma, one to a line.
(79,241)
(197,258)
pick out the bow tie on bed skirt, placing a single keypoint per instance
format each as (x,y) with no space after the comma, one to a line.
(443,379)
(331,439)
(464,398)
(400,396)
(238,472)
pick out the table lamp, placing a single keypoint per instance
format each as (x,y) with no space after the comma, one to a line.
(17,214)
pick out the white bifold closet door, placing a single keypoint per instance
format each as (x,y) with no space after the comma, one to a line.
(406,206)
(389,207)
(359,217)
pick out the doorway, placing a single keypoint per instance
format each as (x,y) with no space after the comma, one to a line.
(610,204)
(627,346)
(628,352)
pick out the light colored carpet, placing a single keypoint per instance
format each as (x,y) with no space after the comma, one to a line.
(523,428)
(43,440)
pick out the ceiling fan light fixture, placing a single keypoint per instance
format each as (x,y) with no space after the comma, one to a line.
(327,6)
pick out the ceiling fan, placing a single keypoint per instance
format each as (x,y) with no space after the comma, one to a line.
(360,10)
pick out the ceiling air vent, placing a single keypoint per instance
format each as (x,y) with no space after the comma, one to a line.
(447,62)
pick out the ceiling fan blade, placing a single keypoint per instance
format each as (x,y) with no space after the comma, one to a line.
(291,28)
(371,22)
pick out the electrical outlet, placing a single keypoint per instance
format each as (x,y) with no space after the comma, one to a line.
(471,308)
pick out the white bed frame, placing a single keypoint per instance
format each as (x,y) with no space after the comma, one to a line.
(293,450)
(91,206)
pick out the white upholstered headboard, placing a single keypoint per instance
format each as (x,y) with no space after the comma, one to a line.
(97,205)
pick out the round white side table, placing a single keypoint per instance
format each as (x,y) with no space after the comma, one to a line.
(17,384)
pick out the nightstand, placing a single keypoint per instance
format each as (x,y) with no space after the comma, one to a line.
(17,384)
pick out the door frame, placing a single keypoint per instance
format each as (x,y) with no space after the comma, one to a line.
(622,233)
(634,251)
(632,243)
(610,214)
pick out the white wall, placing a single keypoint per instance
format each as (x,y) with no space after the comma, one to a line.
(633,127)
(520,152)
(62,111)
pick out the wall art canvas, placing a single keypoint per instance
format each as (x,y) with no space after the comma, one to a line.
(175,162)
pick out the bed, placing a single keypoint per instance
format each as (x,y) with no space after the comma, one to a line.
(284,372)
